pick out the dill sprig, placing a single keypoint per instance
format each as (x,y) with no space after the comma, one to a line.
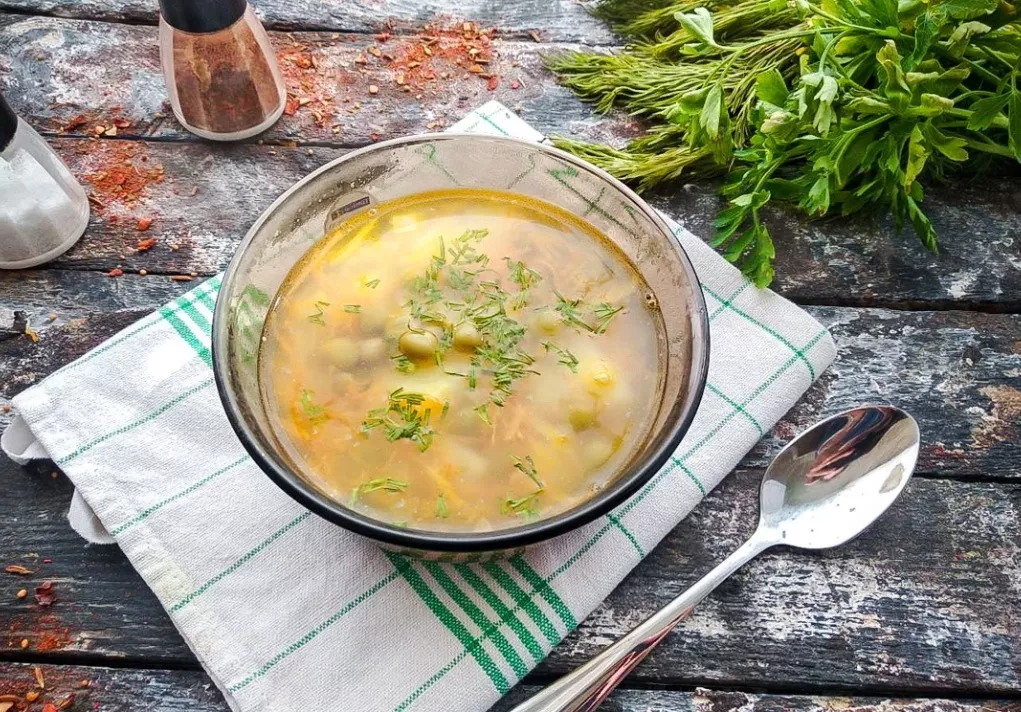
(317,317)
(527,467)
(526,507)
(402,419)
(566,358)
(442,511)
(315,413)
(831,106)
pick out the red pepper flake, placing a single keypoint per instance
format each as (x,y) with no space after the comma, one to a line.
(121,123)
(50,561)
(494,82)
(44,594)
(18,569)
(115,272)
(291,107)
(143,224)
(113,172)
(515,84)
(146,244)
(49,707)
(374,136)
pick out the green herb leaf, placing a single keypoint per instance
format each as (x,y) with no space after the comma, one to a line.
(372,283)
(441,507)
(985,111)
(317,317)
(483,412)
(1014,123)
(771,89)
(566,357)
(709,118)
(967,9)
(698,23)
(352,308)
(315,413)
(527,466)
(402,419)
(526,507)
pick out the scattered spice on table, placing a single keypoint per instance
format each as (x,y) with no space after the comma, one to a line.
(45,595)
(143,224)
(22,593)
(31,696)
(18,569)
(115,171)
(115,272)
(146,244)
(24,643)
(40,681)
(31,333)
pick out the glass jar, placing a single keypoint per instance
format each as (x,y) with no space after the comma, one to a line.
(43,209)
(221,73)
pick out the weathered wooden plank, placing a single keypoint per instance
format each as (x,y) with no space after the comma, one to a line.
(926,601)
(80,74)
(959,373)
(557,20)
(192,691)
(89,69)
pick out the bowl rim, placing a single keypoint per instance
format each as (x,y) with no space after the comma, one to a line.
(463,542)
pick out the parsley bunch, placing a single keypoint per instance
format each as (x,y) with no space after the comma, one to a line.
(831,105)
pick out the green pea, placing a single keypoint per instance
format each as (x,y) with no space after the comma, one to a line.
(467,337)
(581,418)
(418,345)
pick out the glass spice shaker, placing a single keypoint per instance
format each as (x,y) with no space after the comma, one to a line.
(43,209)
(221,73)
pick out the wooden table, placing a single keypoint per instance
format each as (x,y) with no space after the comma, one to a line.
(922,613)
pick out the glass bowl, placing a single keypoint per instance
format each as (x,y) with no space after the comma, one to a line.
(402,167)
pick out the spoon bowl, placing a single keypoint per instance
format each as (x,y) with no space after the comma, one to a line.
(832,481)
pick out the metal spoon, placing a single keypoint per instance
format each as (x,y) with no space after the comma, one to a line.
(822,490)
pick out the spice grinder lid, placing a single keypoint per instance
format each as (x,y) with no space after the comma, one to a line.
(201,16)
(8,123)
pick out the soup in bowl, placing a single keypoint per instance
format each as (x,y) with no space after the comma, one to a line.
(460,343)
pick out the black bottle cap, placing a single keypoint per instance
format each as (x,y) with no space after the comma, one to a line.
(8,124)
(201,16)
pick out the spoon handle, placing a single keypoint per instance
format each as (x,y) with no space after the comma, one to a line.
(586,687)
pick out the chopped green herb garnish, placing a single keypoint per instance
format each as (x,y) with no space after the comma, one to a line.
(604,313)
(441,507)
(380,483)
(372,283)
(446,407)
(401,419)
(403,363)
(483,412)
(527,466)
(353,308)
(526,507)
(570,313)
(315,413)
(565,356)
(317,318)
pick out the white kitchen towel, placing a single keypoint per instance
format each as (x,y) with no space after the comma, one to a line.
(287,612)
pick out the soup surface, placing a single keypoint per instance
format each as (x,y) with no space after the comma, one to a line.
(462,360)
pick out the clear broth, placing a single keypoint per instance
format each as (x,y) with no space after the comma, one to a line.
(548,375)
